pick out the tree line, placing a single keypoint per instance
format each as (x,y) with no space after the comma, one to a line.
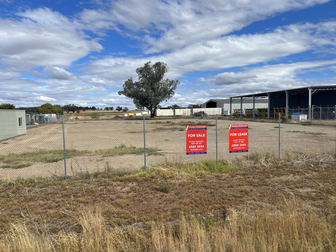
(48,108)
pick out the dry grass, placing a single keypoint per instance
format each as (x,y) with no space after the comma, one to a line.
(26,159)
(288,229)
(255,204)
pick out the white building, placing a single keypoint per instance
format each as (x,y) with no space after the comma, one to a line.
(224,104)
(12,123)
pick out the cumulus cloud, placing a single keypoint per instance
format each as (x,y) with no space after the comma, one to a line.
(181,23)
(217,54)
(41,38)
(267,78)
(273,76)
(191,36)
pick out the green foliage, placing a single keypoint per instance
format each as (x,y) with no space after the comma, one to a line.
(164,187)
(94,115)
(175,106)
(7,106)
(151,89)
(58,109)
(71,108)
(74,108)
(26,159)
(48,108)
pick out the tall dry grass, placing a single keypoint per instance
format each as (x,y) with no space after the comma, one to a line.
(286,229)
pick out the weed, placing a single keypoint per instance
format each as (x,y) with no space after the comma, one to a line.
(26,159)
(164,187)
(95,116)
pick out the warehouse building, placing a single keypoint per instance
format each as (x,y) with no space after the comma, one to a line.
(224,104)
(12,123)
(316,102)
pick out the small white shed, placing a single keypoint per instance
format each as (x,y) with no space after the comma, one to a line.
(12,123)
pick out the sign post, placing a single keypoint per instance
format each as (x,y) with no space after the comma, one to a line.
(238,138)
(196,139)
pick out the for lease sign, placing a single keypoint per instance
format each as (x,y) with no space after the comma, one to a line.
(238,138)
(196,139)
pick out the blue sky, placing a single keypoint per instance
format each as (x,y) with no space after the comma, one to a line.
(63,51)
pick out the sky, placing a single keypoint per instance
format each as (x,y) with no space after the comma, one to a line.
(81,52)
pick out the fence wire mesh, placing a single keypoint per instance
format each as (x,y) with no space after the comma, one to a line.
(115,144)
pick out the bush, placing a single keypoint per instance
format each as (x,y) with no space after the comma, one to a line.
(164,187)
(94,116)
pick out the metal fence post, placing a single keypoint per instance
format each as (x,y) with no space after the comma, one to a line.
(279,136)
(328,113)
(216,137)
(144,140)
(64,149)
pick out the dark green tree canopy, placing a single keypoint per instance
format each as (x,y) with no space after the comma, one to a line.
(150,89)
(7,106)
(48,108)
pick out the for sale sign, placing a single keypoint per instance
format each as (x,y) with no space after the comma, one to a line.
(196,139)
(238,138)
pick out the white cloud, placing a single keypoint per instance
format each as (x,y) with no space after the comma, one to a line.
(267,78)
(58,73)
(185,22)
(226,52)
(46,99)
(273,76)
(42,38)
(46,44)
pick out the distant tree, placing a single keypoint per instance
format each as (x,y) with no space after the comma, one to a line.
(30,110)
(194,106)
(7,106)
(70,108)
(125,109)
(175,106)
(151,89)
(46,108)
(58,110)
(118,108)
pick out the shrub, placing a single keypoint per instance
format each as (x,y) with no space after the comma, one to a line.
(164,187)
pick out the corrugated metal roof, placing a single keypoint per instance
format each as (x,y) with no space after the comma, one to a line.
(247,99)
(321,87)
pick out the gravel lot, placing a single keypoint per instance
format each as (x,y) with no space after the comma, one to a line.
(166,134)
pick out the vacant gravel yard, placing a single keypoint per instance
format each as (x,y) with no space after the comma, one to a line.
(168,135)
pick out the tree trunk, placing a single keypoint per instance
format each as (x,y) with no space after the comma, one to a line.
(153,112)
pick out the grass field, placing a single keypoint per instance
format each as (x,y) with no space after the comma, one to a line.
(259,204)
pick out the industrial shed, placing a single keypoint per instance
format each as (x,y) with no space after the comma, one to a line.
(314,101)
(260,103)
(12,123)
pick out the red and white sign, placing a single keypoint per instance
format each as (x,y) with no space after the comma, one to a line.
(238,138)
(196,139)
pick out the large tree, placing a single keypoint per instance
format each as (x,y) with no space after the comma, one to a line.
(150,89)
(48,108)
(7,106)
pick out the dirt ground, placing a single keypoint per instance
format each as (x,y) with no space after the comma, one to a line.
(166,134)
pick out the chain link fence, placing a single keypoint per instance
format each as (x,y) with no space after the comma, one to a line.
(86,146)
